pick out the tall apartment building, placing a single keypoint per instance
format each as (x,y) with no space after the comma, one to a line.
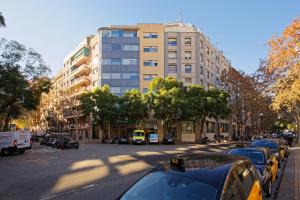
(130,56)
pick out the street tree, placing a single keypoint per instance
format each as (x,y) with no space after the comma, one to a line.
(22,80)
(194,106)
(217,105)
(165,99)
(133,106)
(283,65)
(101,105)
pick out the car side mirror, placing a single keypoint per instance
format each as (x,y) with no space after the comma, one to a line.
(270,163)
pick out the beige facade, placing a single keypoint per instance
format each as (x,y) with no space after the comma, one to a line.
(151,51)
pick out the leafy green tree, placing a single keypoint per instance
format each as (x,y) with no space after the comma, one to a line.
(217,105)
(22,80)
(165,98)
(102,105)
(194,104)
(2,20)
(132,105)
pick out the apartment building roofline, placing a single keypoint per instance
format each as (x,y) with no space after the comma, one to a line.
(81,44)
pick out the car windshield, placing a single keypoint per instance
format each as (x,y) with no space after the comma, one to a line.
(265,143)
(168,186)
(257,157)
(138,134)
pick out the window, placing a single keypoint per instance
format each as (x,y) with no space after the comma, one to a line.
(116,61)
(245,178)
(187,41)
(106,75)
(115,90)
(201,70)
(232,190)
(116,47)
(131,47)
(201,44)
(150,63)
(188,127)
(217,81)
(94,83)
(188,80)
(188,55)
(172,42)
(208,50)
(115,75)
(188,69)
(131,76)
(172,54)
(150,35)
(208,74)
(172,68)
(210,127)
(201,82)
(149,77)
(145,90)
(201,57)
(150,49)
(129,34)
(129,61)
(218,70)
(116,33)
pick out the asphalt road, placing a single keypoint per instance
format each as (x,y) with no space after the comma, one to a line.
(95,171)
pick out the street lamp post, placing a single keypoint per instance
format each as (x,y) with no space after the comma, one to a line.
(260,122)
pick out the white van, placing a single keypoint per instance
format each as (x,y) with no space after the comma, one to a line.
(14,141)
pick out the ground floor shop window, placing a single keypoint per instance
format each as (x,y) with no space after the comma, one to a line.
(211,127)
(224,127)
(188,127)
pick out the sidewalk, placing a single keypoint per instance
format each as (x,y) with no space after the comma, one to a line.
(290,184)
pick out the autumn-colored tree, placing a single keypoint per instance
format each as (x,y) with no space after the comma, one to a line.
(283,66)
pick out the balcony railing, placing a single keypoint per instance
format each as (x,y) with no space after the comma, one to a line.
(80,70)
(83,80)
(80,57)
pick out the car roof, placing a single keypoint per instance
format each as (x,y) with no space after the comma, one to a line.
(209,168)
(250,148)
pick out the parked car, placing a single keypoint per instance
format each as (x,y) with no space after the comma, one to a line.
(138,137)
(153,138)
(201,176)
(272,144)
(264,161)
(67,143)
(123,140)
(169,138)
(15,141)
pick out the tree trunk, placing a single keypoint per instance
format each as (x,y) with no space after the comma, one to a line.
(109,130)
(6,122)
(202,123)
(218,129)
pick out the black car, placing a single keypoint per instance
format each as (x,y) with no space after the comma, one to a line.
(201,176)
(123,140)
(67,143)
(263,161)
(169,138)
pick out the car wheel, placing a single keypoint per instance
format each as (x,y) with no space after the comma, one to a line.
(269,188)
(22,151)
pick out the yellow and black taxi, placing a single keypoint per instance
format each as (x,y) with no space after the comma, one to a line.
(202,176)
(272,144)
(265,162)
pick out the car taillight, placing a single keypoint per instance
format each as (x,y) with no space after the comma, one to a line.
(15,143)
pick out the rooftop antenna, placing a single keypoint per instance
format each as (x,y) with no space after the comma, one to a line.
(179,17)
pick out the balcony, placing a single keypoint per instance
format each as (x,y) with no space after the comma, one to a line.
(73,114)
(75,71)
(77,82)
(77,92)
(80,57)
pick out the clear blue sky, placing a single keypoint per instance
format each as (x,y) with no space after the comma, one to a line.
(240,28)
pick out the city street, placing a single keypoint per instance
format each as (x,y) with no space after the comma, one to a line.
(92,171)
